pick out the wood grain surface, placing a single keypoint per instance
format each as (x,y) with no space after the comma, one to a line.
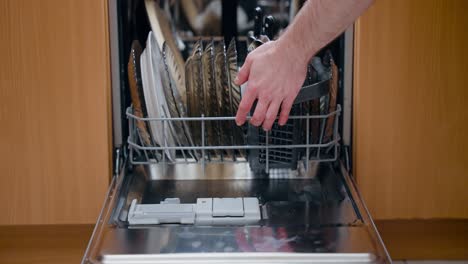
(410,108)
(434,239)
(55,137)
(43,244)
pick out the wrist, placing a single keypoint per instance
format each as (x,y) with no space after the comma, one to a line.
(296,53)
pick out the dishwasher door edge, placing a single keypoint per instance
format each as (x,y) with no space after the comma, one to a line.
(105,214)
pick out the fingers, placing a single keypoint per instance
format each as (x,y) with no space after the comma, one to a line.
(271,115)
(260,113)
(244,72)
(285,109)
(245,105)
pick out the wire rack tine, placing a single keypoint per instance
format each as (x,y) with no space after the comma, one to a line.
(130,123)
(145,151)
(183,151)
(203,144)
(322,133)
(336,136)
(165,141)
(307,143)
(155,152)
(267,165)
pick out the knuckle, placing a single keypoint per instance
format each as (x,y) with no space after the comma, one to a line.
(248,59)
(267,97)
(251,89)
(243,107)
(286,107)
(270,117)
(258,115)
(253,84)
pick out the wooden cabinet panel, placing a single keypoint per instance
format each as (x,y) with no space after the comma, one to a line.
(54,111)
(410,108)
(426,239)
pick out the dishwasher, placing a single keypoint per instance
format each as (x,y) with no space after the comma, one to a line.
(228,194)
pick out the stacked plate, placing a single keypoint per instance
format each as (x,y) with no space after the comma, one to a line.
(161,88)
(163,100)
(210,72)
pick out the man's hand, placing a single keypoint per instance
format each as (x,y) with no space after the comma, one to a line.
(275,73)
(276,70)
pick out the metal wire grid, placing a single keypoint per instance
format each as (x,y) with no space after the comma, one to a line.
(319,151)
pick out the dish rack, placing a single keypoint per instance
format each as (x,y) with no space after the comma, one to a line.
(268,145)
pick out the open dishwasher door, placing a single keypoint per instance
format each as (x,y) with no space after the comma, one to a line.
(283,196)
(315,218)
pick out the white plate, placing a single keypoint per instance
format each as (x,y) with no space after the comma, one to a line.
(155,100)
(167,131)
(165,60)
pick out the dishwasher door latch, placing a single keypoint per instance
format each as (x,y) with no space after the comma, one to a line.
(207,211)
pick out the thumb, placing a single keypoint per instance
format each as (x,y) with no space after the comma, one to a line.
(244,72)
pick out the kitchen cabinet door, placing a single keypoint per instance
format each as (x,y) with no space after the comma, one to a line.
(54,111)
(410,108)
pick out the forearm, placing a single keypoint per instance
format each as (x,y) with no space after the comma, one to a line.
(318,23)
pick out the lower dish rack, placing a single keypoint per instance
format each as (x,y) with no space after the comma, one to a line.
(265,152)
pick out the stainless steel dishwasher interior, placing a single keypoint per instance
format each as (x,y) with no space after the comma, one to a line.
(319,215)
